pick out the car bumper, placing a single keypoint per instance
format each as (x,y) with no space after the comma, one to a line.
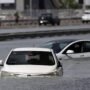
(5,74)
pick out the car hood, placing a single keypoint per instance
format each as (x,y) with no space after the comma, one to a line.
(29,69)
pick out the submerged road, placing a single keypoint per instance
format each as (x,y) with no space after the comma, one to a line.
(72,68)
(76,72)
(53,83)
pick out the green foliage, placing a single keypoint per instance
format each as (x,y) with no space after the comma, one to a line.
(69,4)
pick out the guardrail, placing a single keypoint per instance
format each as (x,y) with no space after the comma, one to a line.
(34,22)
(6,23)
(28,18)
(61,13)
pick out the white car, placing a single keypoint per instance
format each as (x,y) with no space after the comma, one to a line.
(69,48)
(3,17)
(86,16)
(26,62)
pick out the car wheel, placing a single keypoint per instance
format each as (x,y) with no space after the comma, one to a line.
(87,21)
(39,24)
(53,24)
(58,23)
(83,21)
(45,24)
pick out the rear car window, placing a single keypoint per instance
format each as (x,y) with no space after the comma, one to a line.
(31,57)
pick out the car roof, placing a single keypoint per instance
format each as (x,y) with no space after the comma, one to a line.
(32,49)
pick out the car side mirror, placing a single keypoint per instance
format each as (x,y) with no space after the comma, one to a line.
(59,64)
(69,52)
(1,62)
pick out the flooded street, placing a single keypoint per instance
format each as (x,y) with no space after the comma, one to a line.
(76,73)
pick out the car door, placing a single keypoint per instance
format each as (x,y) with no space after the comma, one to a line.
(74,51)
(86,50)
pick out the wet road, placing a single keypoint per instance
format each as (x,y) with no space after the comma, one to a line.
(76,68)
(54,83)
(76,73)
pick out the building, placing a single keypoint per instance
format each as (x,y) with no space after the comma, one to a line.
(24,5)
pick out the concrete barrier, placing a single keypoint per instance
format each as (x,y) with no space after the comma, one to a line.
(43,31)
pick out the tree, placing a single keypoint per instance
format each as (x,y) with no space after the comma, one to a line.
(68,3)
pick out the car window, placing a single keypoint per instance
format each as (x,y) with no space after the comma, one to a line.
(47,45)
(56,47)
(62,45)
(76,47)
(34,58)
(86,47)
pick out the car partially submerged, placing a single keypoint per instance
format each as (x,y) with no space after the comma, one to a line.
(26,62)
(69,48)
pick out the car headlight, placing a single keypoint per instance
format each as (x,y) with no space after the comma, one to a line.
(58,72)
(7,74)
(41,21)
(52,74)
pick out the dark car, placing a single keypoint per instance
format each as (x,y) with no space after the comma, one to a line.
(48,18)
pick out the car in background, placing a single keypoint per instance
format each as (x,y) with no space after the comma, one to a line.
(86,16)
(48,18)
(69,48)
(26,62)
(3,17)
(6,16)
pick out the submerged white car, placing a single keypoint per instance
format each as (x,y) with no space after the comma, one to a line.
(69,48)
(26,62)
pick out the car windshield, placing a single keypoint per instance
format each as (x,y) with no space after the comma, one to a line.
(57,46)
(30,57)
